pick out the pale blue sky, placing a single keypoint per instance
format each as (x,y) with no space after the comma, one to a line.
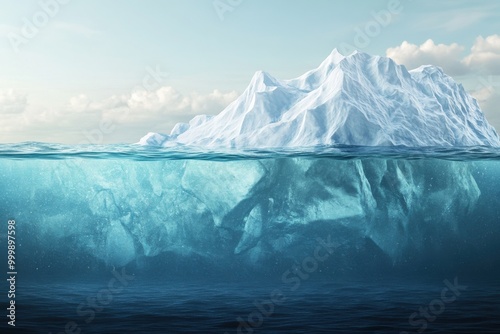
(92,50)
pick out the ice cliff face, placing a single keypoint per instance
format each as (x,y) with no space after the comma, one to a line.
(355,100)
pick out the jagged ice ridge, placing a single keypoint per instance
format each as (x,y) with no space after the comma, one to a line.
(359,100)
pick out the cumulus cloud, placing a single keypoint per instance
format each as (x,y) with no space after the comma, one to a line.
(158,105)
(445,56)
(79,103)
(119,118)
(12,102)
(484,56)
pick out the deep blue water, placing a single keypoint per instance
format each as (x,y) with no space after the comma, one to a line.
(118,239)
(317,307)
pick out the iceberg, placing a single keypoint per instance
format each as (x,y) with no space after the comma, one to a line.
(238,212)
(358,100)
(245,212)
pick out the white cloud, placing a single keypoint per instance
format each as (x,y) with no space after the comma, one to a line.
(162,103)
(445,56)
(485,55)
(12,102)
(79,103)
(130,116)
(165,99)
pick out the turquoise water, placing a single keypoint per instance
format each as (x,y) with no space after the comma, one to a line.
(356,238)
(32,150)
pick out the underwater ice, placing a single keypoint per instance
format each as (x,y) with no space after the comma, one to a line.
(250,210)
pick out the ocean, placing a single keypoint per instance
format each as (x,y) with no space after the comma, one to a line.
(122,238)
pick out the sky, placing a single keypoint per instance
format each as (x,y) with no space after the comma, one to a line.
(109,71)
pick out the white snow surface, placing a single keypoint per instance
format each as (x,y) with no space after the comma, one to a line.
(359,100)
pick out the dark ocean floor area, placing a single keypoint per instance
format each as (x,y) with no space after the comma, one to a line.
(121,305)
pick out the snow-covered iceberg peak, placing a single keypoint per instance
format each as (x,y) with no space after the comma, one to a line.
(314,78)
(355,100)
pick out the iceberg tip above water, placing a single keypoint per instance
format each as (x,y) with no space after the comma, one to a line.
(359,100)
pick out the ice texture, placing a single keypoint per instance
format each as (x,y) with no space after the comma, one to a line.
(248,211)
(357,100)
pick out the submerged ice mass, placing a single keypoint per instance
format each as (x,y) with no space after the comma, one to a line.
(358,100)
(239,212)
(225,212)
